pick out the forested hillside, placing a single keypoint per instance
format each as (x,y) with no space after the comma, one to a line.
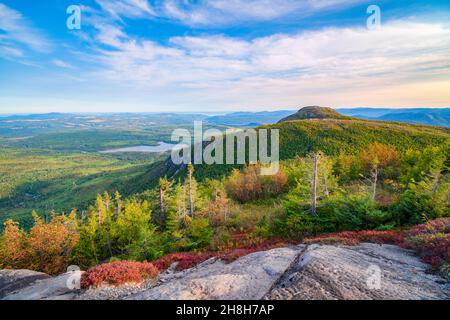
(336,136)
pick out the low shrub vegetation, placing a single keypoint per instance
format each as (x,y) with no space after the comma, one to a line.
(184,260)
(118,273)
(356,237)
(431,241)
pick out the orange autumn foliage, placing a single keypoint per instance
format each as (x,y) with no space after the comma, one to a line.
(383,155)
(46,248)
(250,185)
(12,247)
(218,210)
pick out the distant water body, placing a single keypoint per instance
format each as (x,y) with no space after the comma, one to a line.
(160,148)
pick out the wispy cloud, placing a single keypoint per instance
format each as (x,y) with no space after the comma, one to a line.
(216,13)
(127,8)
(222,12)
(282,68)
(18,34)
(335,52)
(62,64)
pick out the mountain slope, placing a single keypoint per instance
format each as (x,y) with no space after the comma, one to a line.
(333,136)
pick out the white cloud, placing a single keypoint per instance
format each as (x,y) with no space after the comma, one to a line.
(110,35)
(270,9)
(400,47)
(17,33)
(127,8)
(62,64)
(315,65)
(215,13)
(10,52)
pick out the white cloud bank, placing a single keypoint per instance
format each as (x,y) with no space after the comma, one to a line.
(395,65)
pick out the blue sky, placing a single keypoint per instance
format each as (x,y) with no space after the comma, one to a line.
(222,55)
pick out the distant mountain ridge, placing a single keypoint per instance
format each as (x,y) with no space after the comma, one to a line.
(44,116)
(249,119)
(427,116)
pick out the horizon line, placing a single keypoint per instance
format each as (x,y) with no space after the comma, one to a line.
(206,112)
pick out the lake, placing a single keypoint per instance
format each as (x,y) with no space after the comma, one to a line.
(160,148)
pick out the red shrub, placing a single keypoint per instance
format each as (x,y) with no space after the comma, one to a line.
(435,249)
(235,254)
(390,237)
(188,260)
(231,255)
(331,239)
(441,225)
(117,273)
(355,237)
(185,260)
(431,241)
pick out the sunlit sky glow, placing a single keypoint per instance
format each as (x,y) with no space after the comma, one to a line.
(222,55)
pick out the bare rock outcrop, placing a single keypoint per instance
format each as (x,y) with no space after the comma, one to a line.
(56,288)
(14,280)
(247,278)
(364,272)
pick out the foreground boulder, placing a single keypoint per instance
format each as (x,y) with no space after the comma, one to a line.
(47,288)
(367,271)
(14,280)
(248,278)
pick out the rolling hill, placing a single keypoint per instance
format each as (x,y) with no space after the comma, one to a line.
(314,112)
(325,130)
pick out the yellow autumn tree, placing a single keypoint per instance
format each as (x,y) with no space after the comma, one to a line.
(13,251)
(46,248)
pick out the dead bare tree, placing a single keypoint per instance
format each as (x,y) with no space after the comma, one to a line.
(118,204)
(182,211)
(436,183)
(191,200)
(164,187)
(325,185)
(374,181)
(314,184)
